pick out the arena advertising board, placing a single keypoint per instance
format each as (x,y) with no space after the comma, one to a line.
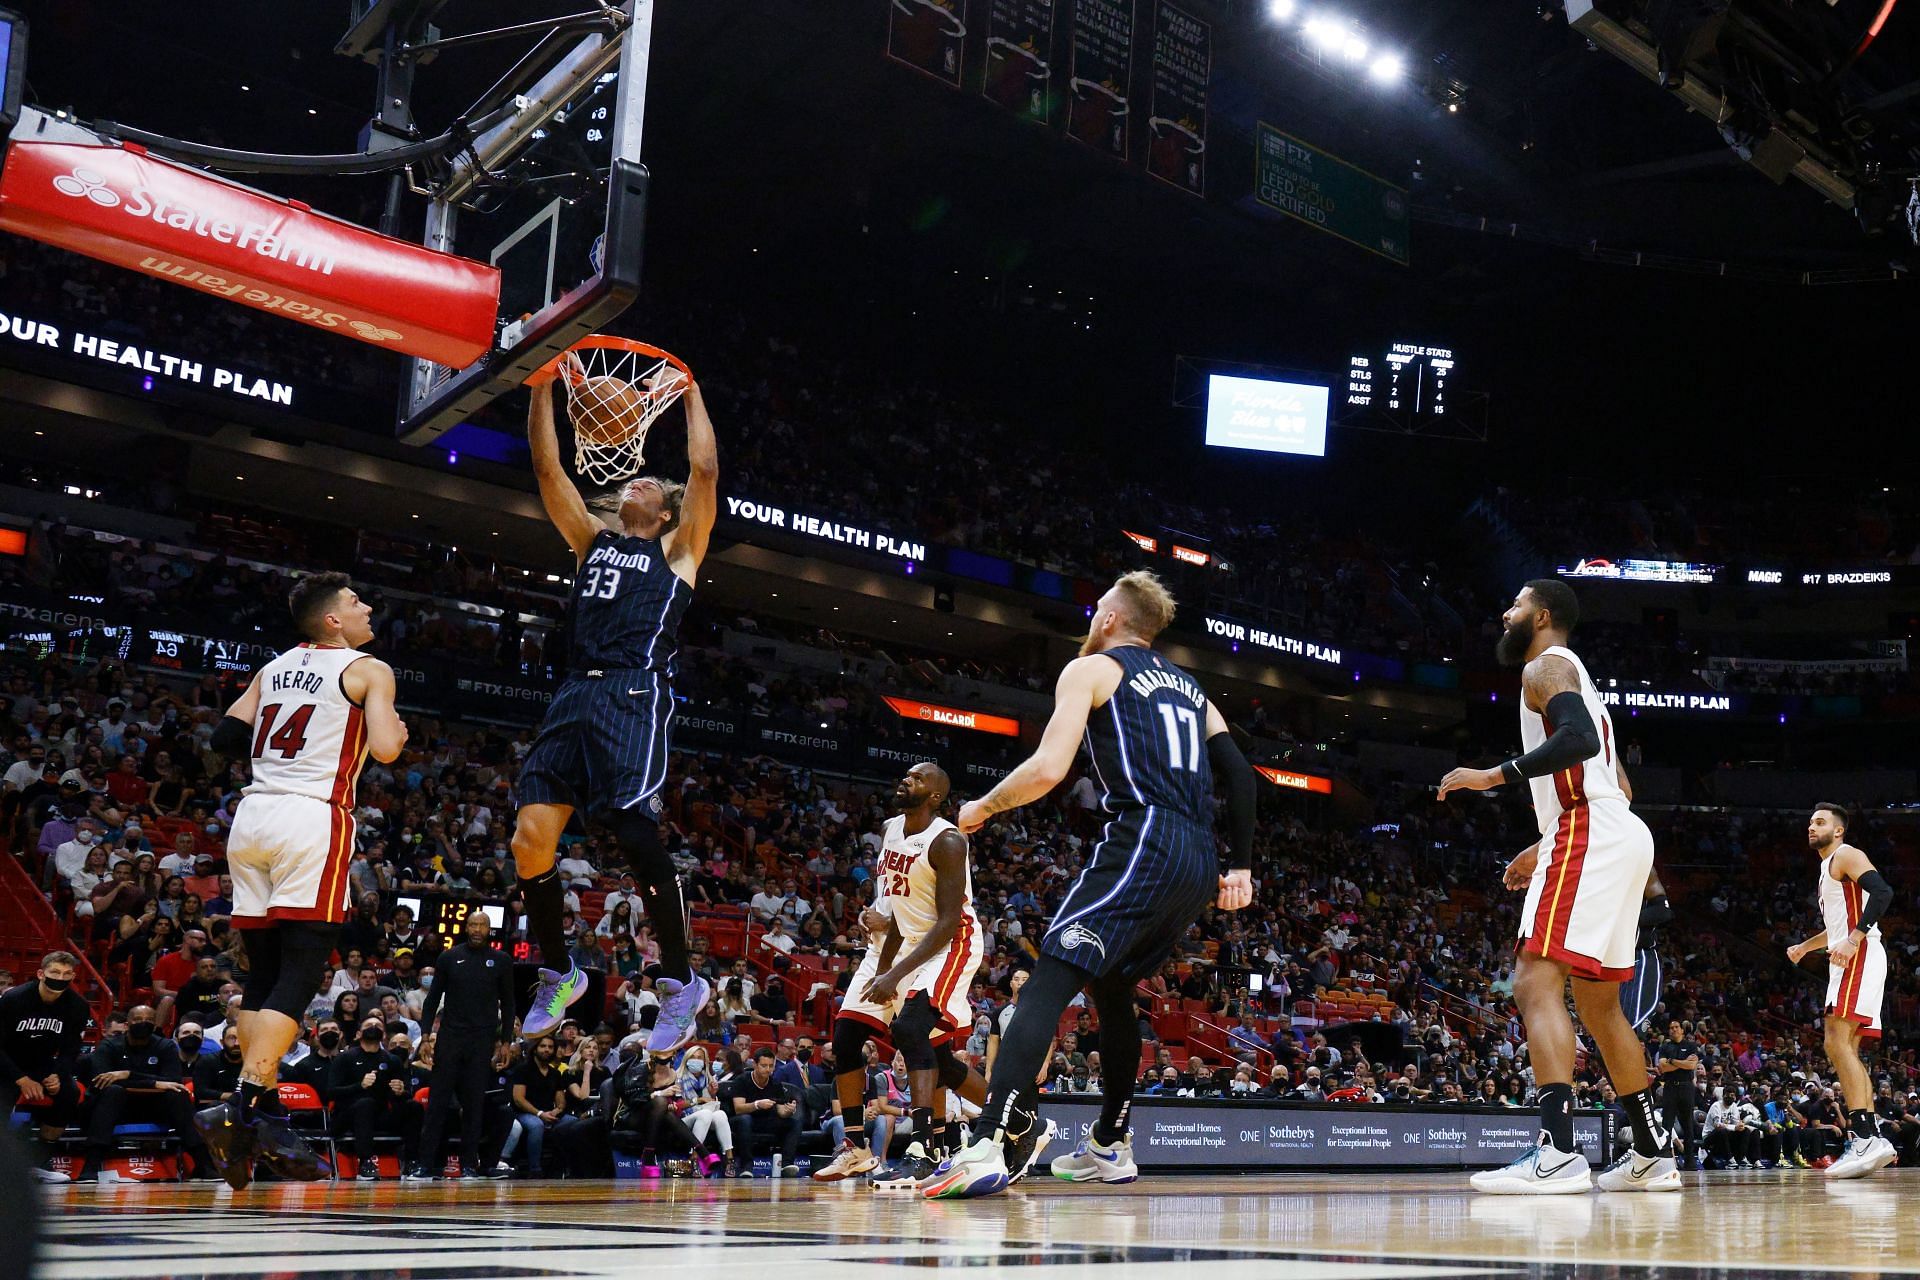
(122,206)
(1305,183)
(1186,1133)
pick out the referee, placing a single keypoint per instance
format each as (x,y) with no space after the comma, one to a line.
(475,982)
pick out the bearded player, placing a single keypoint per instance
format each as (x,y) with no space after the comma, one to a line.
(603,746)
(1853,896)
(307,723)
(1586,877)
(916,983)
(1155,741)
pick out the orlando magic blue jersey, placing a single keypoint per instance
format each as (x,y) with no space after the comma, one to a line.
(1149,743)
(627,606)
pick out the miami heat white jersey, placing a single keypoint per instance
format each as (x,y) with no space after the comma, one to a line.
(1592,781)
(1840,903)
(907,881)
(309,738)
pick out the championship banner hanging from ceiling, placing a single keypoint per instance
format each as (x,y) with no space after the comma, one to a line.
(1020,56)
(929,36)
(1100,83)
(1177,128)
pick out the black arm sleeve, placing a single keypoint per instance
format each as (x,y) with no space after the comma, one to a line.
(231,737)
(1655,912)
(1879,898)
(1574,739)
(1232,768)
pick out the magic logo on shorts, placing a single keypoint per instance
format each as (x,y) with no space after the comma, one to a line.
(1079,935)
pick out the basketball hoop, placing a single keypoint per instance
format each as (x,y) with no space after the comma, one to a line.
(616,387)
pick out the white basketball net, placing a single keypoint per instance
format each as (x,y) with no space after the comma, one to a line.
(613,397)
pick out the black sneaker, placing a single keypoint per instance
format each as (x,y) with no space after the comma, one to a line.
(285,1152)
(418,1174)
(905,1173)
(497,1173)
(1024,1150)
(369,1171)
(231,1144)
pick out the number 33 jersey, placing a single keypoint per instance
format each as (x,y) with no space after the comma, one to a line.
(627,605)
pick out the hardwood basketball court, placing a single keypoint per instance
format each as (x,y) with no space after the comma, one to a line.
(1300,1227)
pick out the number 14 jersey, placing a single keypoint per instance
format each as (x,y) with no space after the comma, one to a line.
(309,738)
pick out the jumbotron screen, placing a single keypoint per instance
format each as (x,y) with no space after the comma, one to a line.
(1407,380)
(1266,415)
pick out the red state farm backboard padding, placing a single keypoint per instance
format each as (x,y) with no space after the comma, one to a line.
(121,205)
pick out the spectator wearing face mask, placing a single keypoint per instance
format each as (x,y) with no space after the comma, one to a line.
(137,1080)
(704,1115)
(71,856)
(191,1040)
(40,1026)
(315,1067)
(366,1084)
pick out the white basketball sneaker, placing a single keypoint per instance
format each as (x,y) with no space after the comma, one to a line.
(1862,1157)
(1544,1170)
(1635,1172)
(1094,1161)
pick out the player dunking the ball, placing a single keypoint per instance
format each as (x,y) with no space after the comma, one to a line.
(916,982)
(1155,742)
(603,746)
(307,722)
(1585,878)
(1853,896)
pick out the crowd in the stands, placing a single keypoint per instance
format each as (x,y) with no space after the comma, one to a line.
(117,806)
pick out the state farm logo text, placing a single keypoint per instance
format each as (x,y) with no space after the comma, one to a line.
(83,183)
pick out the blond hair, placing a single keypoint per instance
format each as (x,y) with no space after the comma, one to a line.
(1148,604)
(672,494)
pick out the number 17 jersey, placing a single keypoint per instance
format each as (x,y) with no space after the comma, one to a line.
(1148,744)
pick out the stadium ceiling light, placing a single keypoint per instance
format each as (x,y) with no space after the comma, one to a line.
(1327,33)
(1387,68)
(1282,10)
(1354,47)
(1453,108)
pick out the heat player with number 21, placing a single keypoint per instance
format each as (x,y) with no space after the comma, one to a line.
(307,723)
(602,749)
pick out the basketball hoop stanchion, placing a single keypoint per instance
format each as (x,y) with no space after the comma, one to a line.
(616,388)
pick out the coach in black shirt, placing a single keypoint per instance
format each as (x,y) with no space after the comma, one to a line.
(1677,1059)
(40,1026)
(472,994)
(365,1085)
(137,1080)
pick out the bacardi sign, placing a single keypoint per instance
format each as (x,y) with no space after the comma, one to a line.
(120,205)
(955,717)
